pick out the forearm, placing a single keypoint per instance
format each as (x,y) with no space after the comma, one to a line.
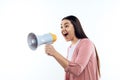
(61,60)
(49,49)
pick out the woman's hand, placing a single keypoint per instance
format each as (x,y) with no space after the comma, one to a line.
(50,50)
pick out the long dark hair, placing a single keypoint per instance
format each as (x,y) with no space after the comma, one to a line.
(98,61)
(79,33)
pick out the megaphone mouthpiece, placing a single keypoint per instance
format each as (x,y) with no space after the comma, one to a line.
(54,37)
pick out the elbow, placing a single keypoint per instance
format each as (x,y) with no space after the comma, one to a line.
(77,73)
(75,70)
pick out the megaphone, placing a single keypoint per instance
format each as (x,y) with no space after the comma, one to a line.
(34,41)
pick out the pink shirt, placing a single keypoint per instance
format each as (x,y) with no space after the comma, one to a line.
(83,65)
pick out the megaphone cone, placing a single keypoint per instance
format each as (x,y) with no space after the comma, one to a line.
(32,41)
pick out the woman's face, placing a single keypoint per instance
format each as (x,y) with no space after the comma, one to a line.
(67,30)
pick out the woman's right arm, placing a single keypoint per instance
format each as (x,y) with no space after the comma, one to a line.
(60,59)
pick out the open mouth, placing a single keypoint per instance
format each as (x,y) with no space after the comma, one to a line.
(65,34)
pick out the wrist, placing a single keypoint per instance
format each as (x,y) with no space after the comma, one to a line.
(55,54)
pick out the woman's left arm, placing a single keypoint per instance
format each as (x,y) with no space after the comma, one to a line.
(83,56)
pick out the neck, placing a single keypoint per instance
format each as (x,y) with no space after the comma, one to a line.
(74,41)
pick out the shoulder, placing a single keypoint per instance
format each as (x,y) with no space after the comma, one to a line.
(86,42)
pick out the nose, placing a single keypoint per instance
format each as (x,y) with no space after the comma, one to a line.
(63,28)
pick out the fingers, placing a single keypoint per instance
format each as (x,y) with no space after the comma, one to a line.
(48,49)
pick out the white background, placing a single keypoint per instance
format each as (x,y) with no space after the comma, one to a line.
(100,20)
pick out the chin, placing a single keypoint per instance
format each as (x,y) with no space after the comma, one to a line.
(67,39)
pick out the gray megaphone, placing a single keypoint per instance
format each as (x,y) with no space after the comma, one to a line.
(34,41)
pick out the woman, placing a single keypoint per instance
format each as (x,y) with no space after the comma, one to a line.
(82,62)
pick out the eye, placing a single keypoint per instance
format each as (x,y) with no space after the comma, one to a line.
(66,26)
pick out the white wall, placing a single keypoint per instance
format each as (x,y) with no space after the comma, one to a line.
(100,20)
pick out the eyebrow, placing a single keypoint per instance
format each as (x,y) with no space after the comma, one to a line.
(65,23)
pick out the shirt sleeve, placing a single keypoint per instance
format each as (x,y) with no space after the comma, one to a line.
(82,59)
